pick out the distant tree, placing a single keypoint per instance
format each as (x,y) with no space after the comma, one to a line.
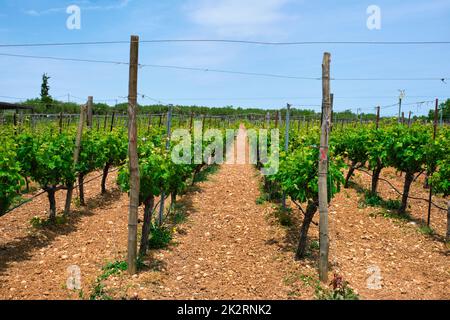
(46,98)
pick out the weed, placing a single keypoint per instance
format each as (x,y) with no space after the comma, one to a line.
(427,230)
(179,217)
(37,222)
(340,290)
(314,245)
(394,215)
(160,237)
(111,268)
(261,199)
(284,217)
(99,293)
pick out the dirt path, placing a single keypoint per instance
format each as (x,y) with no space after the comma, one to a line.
(228,249)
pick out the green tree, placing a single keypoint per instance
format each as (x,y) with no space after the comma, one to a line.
(46,98)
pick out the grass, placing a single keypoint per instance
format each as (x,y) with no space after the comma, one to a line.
(339,289)
(178,215)
(262,199)
(374,200)
(37,222)
(284,216)
(314,245)
(111,268)
(160,237)
(203,175)
(426,230)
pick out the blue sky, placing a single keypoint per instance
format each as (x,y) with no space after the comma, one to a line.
(32,21)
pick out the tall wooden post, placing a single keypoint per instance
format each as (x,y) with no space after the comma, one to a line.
(378,117)
(323,171)
(112,121)
(431,170)
(133,156)
(409,119)
(89,111)
(76,155)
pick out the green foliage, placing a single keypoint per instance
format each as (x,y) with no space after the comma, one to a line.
(37,222)
(314,245)
(353,144)
(92,152)
(407,148)
(111,268)
(46,98)
(284,217)
(10,178)
(160,237)
(427,230)
(374,200)
(298,174)
(339,290)
(54,160)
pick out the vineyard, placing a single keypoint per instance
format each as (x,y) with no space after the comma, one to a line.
(380,176)
(297,174)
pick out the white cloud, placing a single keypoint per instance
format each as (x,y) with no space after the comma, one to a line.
(120,5)
(239,17)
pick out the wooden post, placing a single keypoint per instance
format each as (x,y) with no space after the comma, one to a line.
(447,238)
(286,146)
(163,195)
(133,156)
(409,119)
(323,171)
(112,121)
(403,117)
(191,121)
(429,174)
(276,120)
(378,117)
(60,122)
(89,111)
(76,155)
(106,121)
